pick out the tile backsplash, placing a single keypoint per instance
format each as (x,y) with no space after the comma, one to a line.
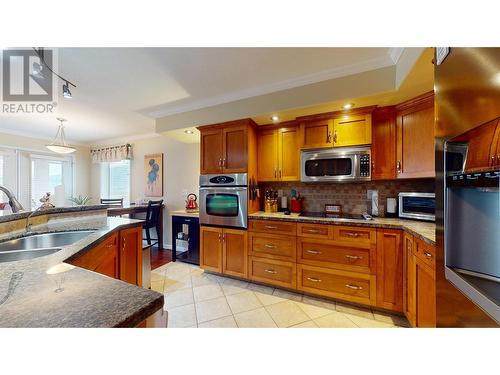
(352,196)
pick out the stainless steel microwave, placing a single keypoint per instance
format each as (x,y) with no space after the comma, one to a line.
(420,206)
(343,164)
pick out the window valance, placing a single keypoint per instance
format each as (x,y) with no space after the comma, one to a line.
(111,153)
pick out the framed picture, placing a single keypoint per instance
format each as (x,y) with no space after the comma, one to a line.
(153,175)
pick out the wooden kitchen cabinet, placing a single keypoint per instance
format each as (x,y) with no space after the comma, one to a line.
(316,134)
(415,138)
(495,148)
(352,130)
(131,255)
(390,269)
(409,280)
(278,154)
(425,295)
(224,250)
(225,147)
(383,144)
(482,148)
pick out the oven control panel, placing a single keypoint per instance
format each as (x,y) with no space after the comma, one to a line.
(222,180)
(364,166)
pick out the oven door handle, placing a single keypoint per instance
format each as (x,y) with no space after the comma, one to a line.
(223,189)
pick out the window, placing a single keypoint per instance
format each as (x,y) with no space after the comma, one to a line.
(115,180)
(7,172)
(46,174)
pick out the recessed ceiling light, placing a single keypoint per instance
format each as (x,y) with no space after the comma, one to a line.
(275,118)
(348,106)
(188,131)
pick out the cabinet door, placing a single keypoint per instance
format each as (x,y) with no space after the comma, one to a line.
(426,295)
(109,265)
(495,148)
(211,249)
(267,155)
(384,145)
(352,130)
(131,255)
(210,151)
(288,154)
(316,134)
(389,270)
(415,141)
(235,149)
(482,146)
(409,280)
(235,253)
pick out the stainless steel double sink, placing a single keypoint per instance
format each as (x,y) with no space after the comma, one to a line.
(38,245)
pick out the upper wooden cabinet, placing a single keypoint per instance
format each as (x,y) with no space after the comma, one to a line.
(495,148)
(316,133)
(384,144)
(352,130)
(225,147)
(415,138)
(278,154)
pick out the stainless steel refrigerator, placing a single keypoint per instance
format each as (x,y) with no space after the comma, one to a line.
(467,102)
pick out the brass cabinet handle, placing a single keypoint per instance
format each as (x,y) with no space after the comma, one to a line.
(271,271)
(353,257)
(398,166)
(313,252)
(312,231)
(220,237)
(280,173)
(329,137)
(275,173)
(335,136)
(428,255)
(352,234)
(270,227)
(356,287)
(224,162)
(270,246)
(123,247)
(314,280)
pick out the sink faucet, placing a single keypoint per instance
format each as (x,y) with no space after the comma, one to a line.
(45,205)
(13,202)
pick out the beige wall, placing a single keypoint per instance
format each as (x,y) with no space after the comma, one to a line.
(181,169)
(82,158)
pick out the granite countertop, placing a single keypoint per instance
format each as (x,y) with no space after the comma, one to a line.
(55,210)
(89,299)
(185,213)
(421,229)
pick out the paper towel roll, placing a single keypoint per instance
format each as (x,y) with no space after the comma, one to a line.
(391,205)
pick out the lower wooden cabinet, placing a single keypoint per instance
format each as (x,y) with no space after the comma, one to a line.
(419,285)
(224,250)
(118,256)
(390,269)
(349,286)
(272,271)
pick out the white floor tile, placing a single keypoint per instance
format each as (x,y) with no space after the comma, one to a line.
(260,288)
(268,299)
(258,318)
(308,324)
(183,316)
(367,323)
(226,322)
(179,297)
(206,292)
(212,309)
(286,314)
(335,320)
(312,311)
(288,295)
(320,302)
(232,286)
(354,310)
(243,302)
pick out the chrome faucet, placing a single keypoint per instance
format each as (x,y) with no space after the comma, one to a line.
(45,205)
(13,202)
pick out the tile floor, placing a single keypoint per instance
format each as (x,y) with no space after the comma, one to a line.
(194,298)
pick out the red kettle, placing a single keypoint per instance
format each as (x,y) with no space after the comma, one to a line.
(191,202)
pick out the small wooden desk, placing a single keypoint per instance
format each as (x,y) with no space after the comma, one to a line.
(133,209)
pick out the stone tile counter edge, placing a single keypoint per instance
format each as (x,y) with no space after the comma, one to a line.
(426,231)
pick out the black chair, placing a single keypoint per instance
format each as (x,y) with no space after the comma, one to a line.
(152,220)
(112,202)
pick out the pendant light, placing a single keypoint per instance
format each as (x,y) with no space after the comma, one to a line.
(59,143)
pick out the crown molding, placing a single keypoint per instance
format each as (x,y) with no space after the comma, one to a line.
(126,139)
(325,75)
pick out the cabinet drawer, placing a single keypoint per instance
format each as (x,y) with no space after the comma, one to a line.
(273,227)
(426,252)
(272,246)
(273,272)
(356,236)
(320,231)
(323,253)
(349,286)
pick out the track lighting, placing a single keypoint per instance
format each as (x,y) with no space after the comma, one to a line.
(66,91)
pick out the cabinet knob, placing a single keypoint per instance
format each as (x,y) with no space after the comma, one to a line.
(398,166)
(428,255)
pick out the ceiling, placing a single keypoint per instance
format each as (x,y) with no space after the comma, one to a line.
(126,92)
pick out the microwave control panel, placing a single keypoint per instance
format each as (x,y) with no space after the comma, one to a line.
(364,165)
